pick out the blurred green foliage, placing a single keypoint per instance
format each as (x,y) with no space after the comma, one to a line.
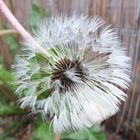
(43,131)
(36,16)
(12,42)
(13,129)
(94,133)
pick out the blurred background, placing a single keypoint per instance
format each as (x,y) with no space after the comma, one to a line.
(18,124)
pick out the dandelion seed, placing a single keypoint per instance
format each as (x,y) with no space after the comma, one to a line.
(80,83)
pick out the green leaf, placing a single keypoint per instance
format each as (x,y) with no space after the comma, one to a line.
(5,75)
(92,137)
(100,136)
(79,135)
(94,133)
(35,16)
(6,109)
(11,40)
(96,128)
(6,79)
(42,132)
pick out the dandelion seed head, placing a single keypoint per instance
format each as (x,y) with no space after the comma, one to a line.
(83,79)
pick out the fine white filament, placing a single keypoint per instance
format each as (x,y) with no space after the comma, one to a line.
(82,80)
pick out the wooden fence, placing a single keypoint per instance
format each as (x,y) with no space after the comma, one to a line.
(122,14)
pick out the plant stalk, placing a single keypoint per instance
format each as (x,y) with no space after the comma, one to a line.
(8,32)
(57,137)
(14,22)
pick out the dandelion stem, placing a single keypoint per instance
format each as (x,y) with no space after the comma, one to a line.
(14,22)
(57,137)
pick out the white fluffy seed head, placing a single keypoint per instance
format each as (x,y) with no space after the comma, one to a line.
(82,81)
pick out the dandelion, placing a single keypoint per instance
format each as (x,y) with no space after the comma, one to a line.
(82,80)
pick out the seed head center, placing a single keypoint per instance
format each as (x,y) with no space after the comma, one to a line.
(68,72)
